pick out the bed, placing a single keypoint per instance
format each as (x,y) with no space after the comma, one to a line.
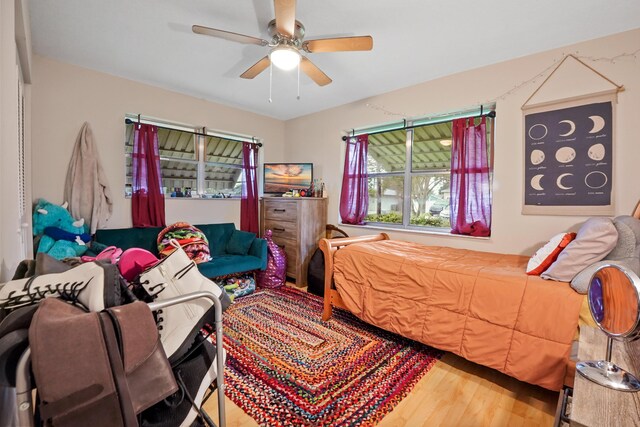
(479,305)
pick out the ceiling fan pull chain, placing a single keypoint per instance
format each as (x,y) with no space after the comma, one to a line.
(270,81)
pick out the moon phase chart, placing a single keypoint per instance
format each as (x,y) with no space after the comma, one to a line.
(568,156)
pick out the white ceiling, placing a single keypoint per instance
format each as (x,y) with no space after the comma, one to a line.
(414,41)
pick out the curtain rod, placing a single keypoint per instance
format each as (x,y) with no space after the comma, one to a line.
(403,125)
(129,121)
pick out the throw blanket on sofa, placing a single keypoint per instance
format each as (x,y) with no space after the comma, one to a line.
(481,306)
(192,239)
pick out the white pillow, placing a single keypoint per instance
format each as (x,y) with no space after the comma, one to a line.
(595,239)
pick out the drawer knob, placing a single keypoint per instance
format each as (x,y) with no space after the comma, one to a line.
(279,210)
(278,229)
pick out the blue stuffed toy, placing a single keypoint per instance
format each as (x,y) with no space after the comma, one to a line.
(61,235)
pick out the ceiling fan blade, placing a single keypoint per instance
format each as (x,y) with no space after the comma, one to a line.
(256,68)
(228,35)
(339,44)
(285,16)
(315,73)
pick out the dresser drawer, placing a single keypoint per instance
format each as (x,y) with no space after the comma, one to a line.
(282,210)
(281,229)
(291,250)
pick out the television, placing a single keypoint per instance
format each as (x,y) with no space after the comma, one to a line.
(282,177)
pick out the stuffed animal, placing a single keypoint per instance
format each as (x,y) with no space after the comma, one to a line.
(60,235)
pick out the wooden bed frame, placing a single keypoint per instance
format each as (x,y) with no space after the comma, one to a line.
(329,248)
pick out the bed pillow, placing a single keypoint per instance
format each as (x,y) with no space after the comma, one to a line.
(546,255)
(595,239)
(580,283)
(627,248)
(626,252)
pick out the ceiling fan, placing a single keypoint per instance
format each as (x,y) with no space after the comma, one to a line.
(287,44)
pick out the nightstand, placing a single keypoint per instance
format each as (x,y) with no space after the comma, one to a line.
(593,405)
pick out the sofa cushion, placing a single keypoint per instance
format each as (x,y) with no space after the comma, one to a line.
(240,242)
(229,264)
(218,235)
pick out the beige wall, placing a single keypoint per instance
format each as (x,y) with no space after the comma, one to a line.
(316,137)
(64,96)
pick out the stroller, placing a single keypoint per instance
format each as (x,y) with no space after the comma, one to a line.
(17,382)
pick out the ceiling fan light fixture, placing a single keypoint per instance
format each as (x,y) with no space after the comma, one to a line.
(285,58)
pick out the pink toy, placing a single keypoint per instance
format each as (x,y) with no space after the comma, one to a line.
(276,273)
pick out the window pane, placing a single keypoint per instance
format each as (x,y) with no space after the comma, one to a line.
(221,150)
(176,144)
(430,200)
(220,180)
(385,199)
(178,178)
(387,152)
(128,183)
(431,147)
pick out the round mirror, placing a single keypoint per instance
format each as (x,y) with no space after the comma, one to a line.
(613,300)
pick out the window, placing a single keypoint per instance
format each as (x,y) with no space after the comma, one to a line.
(409,174)
(192,163)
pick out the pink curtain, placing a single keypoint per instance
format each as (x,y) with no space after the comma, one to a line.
(147,201)
(249,202)
(354,199)
(470,190)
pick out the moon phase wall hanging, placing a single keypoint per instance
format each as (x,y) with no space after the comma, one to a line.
(568,159)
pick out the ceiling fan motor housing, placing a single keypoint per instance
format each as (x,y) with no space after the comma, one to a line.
(278,38)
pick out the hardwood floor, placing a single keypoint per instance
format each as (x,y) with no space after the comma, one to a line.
(455,392)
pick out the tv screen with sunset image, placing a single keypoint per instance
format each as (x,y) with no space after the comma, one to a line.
(282,177)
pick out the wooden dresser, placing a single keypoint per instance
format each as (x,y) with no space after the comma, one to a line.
(297,223)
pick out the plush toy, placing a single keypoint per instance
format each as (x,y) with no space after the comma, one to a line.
(61,235)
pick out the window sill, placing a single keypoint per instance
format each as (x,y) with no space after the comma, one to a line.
(428,231)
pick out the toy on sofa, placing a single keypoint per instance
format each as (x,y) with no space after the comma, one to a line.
(61,235)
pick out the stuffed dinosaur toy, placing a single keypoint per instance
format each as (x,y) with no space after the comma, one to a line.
(61,235)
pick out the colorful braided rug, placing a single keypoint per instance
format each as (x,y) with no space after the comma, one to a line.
(286,367)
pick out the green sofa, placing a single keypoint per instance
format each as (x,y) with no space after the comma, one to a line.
(222,263)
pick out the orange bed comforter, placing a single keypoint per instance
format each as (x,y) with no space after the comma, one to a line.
(481,306)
